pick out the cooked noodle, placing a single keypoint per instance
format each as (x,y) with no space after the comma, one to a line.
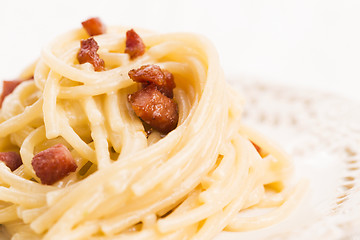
(192,183)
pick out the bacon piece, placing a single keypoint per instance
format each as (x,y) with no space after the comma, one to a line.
(148,74)
(9,87)
(94,26)
(152,74)
(261,152)
(11,159)
(88,53)
(53,164)
(135,46)
(167,88)
(154,108)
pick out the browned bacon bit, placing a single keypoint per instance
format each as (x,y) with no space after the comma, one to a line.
(9,87)
(88,53)
(148,74)
(11,159)
(53,164)
(135,46)
(94,26)
(154,108)
(259,150)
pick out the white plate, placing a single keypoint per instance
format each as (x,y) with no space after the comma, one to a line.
(322,134)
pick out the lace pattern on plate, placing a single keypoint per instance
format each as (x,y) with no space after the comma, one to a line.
(322,134)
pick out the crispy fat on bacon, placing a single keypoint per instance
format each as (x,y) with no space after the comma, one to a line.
(88,53)
(11,159)
(135,46)
(94,26)
(53,164)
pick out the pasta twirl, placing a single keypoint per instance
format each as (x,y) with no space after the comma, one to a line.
(191,183)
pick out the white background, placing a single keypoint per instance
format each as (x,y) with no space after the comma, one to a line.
(313,43)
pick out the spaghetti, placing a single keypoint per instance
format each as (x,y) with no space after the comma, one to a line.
(193,182)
